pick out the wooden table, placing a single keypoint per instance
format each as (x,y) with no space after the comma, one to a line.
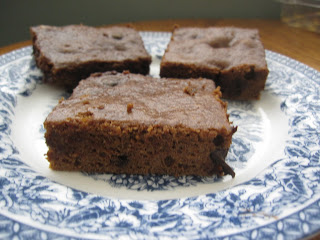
(276,36)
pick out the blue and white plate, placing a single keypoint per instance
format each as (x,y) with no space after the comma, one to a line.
(275,154)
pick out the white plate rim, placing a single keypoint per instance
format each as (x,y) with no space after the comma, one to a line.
(304,218)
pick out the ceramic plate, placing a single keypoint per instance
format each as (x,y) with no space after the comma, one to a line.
(275,154)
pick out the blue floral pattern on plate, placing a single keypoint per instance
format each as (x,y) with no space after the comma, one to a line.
(280,202)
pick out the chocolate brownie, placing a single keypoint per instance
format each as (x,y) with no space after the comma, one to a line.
(233,57)
(128,123)
(70,53)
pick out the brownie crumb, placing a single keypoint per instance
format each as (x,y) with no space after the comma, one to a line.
(190,90)
(61,100)
(86,114)
(129,107)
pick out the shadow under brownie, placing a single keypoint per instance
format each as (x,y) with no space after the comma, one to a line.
(133,124)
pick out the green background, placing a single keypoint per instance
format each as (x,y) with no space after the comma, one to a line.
(17,16)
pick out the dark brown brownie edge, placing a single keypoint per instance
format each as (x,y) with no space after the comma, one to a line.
(69,77)
(239,83)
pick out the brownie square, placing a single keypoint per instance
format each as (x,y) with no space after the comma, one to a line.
(70,53)
(233,57)
(128,123)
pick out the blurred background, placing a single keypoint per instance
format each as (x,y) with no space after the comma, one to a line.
(17,16)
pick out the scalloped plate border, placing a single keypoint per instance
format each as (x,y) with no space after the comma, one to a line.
(256,209)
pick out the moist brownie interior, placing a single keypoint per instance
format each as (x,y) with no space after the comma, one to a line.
(128,123)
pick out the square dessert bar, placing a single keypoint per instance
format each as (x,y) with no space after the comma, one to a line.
(70,53)
(233,57)
(128,123)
